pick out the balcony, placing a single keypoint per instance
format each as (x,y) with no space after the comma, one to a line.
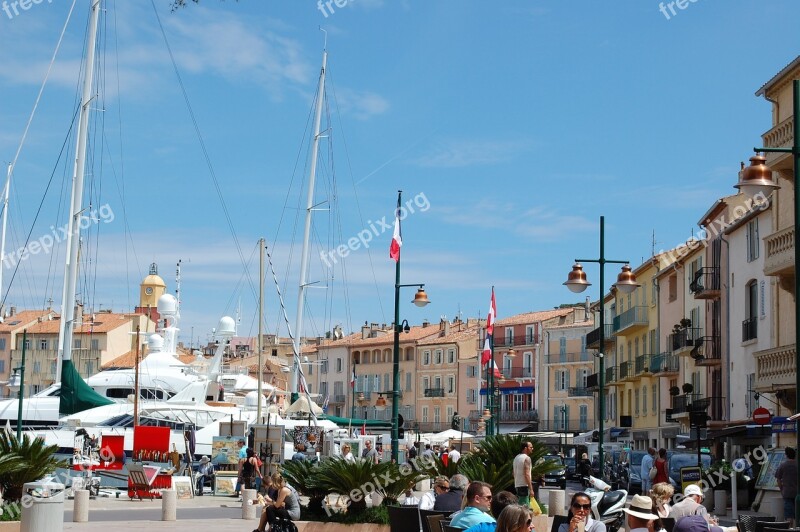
(611,375)
(707,352)
(580,392)
(683,341)
(780,135)
(776,368)
(516,341)
(749,329)
(625,372)
(338,399)
(593,338)
(664,365)
(567,358)
(642,364)
(518,373)
(682,405)
(592,382)
(779,257)
(434,392)
(705,284)
(631,320)
(714,407)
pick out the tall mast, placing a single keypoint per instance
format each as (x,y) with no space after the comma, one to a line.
(76,208)
(298,329)
(3,236)
(260,321)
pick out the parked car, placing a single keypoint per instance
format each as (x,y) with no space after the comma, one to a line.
(678,459)
(571,468)
(633,471)
(557,477)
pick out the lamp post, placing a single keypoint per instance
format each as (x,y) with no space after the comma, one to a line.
(420,300)
(626,283)
(21,391)
(757,179)
(564,421)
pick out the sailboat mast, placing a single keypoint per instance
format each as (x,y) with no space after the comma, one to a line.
(301,293)
(260,321)
(76,209)
(3,236)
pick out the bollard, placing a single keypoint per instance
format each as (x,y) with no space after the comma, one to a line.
(249,504)
(734,496)
(720,502)
(555,505)
(169,503)
(80,508)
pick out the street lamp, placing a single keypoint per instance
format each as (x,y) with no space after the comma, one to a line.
(564,421)
(757,179)
(420,300)
(19,373)
(626,283)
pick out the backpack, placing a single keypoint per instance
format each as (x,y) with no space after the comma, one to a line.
(283,525)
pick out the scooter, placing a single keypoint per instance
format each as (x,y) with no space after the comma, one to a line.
(607,505)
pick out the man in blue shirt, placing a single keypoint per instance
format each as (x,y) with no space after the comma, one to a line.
(479,498)
(242,457)
(644,470)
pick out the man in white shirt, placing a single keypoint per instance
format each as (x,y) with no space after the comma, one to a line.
(454,455)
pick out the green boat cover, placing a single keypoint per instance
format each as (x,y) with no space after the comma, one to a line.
(345,421)
(76,395)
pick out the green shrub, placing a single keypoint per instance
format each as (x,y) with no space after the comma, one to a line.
(34,460)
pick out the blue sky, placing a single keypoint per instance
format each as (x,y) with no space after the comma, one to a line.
(518,123)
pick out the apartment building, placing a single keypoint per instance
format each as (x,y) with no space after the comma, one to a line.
(12,326)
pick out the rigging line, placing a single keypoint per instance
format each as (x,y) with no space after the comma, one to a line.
(202,143)
(355,194)
(128,233)
(41,88)
(39,210)
(235,292)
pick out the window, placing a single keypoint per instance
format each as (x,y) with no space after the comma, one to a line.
(644,400)
(2,366)
(581,377)
(386,382)
(750,324)
(323,368)
(425,414)
(37,367)
(408,382)
(752,240)
(509,332)
(338,388)
(43,344)
(451,356)
(562,380)
(636,401)
(449,413)
(654,403)
(562,349)
(530,335)
(27,344)
(95,344)
(451,384)
(673,287)
(472,371)
(338,365)
(76,343)
(527,365)
(377,385)
(472,395)
(750,400)
(437,414)
(584,418)
(323,390)
(437,382)
(2,344)
(762,299)
(310,369)
(426,383)
(426,358)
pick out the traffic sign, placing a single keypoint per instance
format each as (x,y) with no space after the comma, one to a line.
(762,416)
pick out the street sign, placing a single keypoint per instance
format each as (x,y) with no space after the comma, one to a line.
(762,416)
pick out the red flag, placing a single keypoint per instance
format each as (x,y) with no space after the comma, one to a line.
(364,429)
(397,239)
(492,315)
(353,379)
(487,351)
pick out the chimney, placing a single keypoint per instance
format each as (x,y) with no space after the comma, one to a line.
(586,309)
(364,331)
(446,328)
(12,311)
(425,323)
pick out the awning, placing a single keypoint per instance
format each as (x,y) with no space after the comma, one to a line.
(616,432)
(511,391)
(346,421)
(743,432)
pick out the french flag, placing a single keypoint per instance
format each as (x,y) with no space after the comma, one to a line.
(486,355)
(397,238)
(353,379)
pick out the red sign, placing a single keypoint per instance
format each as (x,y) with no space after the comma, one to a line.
(762,416)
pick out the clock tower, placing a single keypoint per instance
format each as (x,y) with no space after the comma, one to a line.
(151,288)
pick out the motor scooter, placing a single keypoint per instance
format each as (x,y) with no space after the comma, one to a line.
(607,504)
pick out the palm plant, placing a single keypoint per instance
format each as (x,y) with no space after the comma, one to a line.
(34,460)
(492,460)
(353,480)
(403,478)
(303,476)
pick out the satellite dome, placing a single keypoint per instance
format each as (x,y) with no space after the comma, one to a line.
(155,343)
(251,400)
(167,305)
(227,327)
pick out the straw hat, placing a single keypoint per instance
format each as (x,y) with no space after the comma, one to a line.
(642,507)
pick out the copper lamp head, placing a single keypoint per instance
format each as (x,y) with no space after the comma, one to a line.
(576,280)
(756,178)
(421,298)
(626,280)
(380,404)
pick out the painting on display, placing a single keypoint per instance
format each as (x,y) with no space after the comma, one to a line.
(224,484)
(183,487)
(311,437)
(225,450)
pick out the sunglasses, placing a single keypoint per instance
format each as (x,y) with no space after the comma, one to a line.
(582,506)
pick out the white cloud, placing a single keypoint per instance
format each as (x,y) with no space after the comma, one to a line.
(462,153)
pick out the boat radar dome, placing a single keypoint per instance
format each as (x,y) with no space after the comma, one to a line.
(251,400)
(167,305)
(227,327)
(155,343)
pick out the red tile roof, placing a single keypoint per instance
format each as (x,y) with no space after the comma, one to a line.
(534,317)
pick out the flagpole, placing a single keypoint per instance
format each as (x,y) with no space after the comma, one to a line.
(490,391)
(396,349)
